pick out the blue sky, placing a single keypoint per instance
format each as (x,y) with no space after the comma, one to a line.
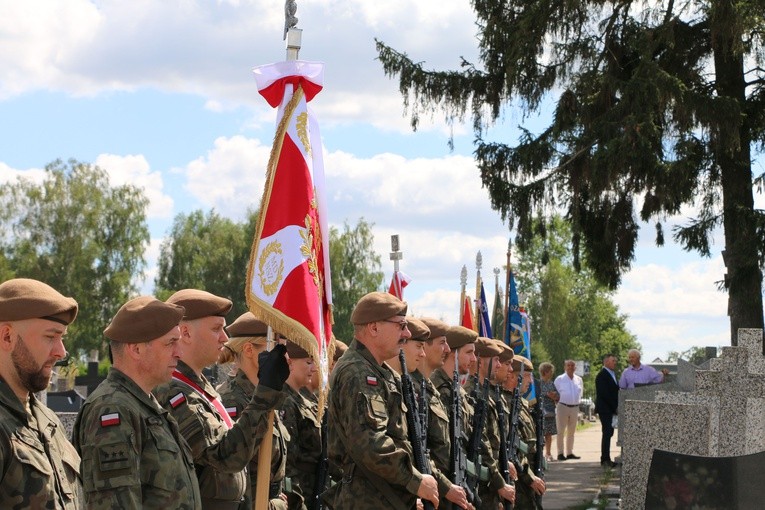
(160,93)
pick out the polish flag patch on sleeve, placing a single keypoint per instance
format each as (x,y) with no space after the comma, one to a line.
(371,380)
(108,420)
(177,400)
(231,411)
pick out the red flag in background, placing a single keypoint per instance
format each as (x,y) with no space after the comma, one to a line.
(288,275)
(398,283)
(467,314)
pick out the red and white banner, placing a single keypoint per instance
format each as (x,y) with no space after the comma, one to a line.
(398,283)
(289,283)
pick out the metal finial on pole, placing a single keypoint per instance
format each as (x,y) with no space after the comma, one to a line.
(463,286)
(292,34)
(478,264)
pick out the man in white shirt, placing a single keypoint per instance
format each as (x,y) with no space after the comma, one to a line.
(570,388)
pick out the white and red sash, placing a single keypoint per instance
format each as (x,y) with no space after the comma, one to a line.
(214,401)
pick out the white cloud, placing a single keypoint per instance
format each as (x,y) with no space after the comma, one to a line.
(8,174)
(145,282)
(230,177)
(208,48)
(135,170)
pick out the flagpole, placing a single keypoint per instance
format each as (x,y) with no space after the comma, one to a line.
(395,256)
(496,298)
(478,264)
(506,309)
(463,286)
(292,36)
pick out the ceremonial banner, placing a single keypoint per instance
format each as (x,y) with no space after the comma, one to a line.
(498,319)
(289,284)
(398,283)
(467,314)
(514,327)
(484,325)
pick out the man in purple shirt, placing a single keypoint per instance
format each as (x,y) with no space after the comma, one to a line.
(639,374)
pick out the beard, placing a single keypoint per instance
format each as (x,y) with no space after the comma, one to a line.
(30,374)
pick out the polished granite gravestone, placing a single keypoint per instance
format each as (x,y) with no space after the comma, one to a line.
(718,412)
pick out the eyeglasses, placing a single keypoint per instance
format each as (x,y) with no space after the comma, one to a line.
(402,324)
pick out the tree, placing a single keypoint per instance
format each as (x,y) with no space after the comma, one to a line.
(573,315)
(694,355)
(355,271)
(207,252)
(660,104)
(79,234)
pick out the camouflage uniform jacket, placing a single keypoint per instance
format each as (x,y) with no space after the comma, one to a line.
(438,432)
(39,468)
(221,455)
(133,455)
(304,444)
(368,434)
(311,396)
(524,496)
(236,394)
(490,453)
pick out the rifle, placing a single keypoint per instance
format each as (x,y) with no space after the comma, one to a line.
(457,460)
(321,469)
(476,436)
(503,444)
(419,449)
(539,421)
(514,438)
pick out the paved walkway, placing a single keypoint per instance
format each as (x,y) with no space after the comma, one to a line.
(574,483)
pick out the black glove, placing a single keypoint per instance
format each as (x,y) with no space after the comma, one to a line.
(273,368)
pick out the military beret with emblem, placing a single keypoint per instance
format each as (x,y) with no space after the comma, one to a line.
(418,329)
(295,351)
(200,303)
(247,325)
(486,348)
(519,360)
(143,319)
(458,336)
(437,328)
(24,298)
(340,348)
(377,306)
(507,351)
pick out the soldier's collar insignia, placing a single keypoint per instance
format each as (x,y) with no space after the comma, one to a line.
(177,400)
(371,380)
(108,420)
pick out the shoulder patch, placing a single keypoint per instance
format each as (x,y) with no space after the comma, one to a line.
(371,380)
(177,400)
(231,411)
(108,420)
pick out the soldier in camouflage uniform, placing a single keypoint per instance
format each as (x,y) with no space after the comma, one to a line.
(39,468)
(300,416)
(221,448)
(437,419)
(132,453)
(367,429)
(528,484)
(493,490)
(247,341)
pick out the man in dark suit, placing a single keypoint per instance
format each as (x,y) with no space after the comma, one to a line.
(606,405)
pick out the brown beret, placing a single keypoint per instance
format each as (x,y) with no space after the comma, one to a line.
(295,351)
(377,306)
(340,348)
(507,352)
(418,329)
(519,360)
(457,336)
(24,298)
(437,328)
(246,325)
(143,319)
(199,303)
(486,348)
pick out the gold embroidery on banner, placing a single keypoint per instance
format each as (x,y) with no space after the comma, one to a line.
(271,268)
(301,124)
(311,235)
